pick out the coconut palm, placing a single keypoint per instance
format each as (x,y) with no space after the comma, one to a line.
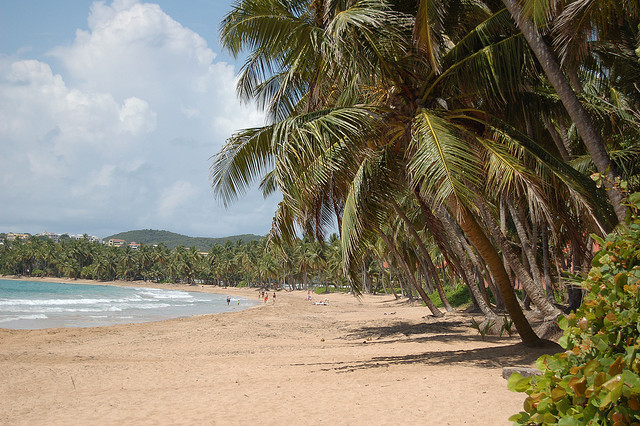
(350,110)
(578,18)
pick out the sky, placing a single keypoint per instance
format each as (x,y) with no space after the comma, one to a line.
(110,112)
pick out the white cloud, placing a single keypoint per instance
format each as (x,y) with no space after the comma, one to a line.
(123,131)
(136,117)
(180,195)
(136,49)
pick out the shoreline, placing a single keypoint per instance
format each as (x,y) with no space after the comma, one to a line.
(122,283)
(372,360)
(96,311)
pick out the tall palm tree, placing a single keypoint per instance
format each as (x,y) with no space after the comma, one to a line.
(358,92)
(583,122)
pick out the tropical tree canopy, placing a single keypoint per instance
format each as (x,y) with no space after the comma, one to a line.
(412,123)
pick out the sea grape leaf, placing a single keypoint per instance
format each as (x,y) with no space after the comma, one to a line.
(558,393)
(616,367)
(517,383)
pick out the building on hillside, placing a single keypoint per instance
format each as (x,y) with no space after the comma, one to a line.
(95,239)
(51,235)
(114,242)
(134,245)
(12,236)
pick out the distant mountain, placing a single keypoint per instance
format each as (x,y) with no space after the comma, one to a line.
(173,240)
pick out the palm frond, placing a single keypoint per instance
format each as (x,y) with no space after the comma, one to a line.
(443,161)
(244,157)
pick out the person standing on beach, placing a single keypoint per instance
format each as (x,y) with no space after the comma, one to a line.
(274,297)
(266,297)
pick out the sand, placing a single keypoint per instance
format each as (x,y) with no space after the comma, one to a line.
(373,361)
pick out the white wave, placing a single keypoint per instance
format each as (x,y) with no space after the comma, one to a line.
(23,317)
(58,302)
(163,294)
(148,305)
(59,310)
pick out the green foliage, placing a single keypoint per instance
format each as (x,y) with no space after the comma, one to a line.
(173,240)
(638,49)
(483,330)
(458,296)
(596,380)
(507,326)
(332,289)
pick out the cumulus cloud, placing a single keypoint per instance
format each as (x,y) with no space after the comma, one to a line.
(123,131)
(179,195)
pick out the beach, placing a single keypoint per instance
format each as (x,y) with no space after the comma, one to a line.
(373,361)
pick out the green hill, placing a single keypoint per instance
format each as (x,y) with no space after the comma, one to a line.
(173,240)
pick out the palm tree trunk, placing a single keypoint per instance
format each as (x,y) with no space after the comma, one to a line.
(534,291)
(453,246)
(557,139)
(393,290)
(545,264)
(427,264)
(591,138)
(488,252)
(526,245)
(467,263)
(412,279)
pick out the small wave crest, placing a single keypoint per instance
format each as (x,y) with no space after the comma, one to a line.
(23,317)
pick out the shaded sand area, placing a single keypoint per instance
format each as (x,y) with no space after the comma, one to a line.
(374,361)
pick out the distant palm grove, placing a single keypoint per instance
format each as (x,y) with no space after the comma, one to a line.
(231,264)
(481,142)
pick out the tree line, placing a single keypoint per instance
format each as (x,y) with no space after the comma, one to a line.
(304,265)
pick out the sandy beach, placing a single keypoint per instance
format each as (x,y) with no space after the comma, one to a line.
(368,361)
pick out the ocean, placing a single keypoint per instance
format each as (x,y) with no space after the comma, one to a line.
(36,305)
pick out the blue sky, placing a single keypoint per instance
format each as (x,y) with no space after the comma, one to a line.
(109,114)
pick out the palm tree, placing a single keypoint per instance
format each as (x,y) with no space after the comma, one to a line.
(355,100)
(145,260)
(343,124)
(127,263)
(589,134)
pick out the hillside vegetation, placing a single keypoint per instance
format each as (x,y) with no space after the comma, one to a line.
(173,240)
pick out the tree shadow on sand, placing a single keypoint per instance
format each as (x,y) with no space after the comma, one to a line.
(492,357)
(502,352)
(454,328)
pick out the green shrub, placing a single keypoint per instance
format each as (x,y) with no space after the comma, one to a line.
(38,273)
(595,381)
(458,296)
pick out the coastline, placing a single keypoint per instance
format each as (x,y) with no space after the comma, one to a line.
(372,360)
(251,292)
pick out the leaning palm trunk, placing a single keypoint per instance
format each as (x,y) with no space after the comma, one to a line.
(461,247)
(534,291)
(545,267)
(412,279)
(527,245)
(393,290)
(487,251)
(450,244)
(427,263)
(591,138)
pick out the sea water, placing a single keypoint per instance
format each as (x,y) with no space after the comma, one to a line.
(35,304)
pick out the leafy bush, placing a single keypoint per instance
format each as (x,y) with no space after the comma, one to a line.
(595,381)
(38,273)
(458,296)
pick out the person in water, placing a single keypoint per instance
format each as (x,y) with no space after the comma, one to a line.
(228,300)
